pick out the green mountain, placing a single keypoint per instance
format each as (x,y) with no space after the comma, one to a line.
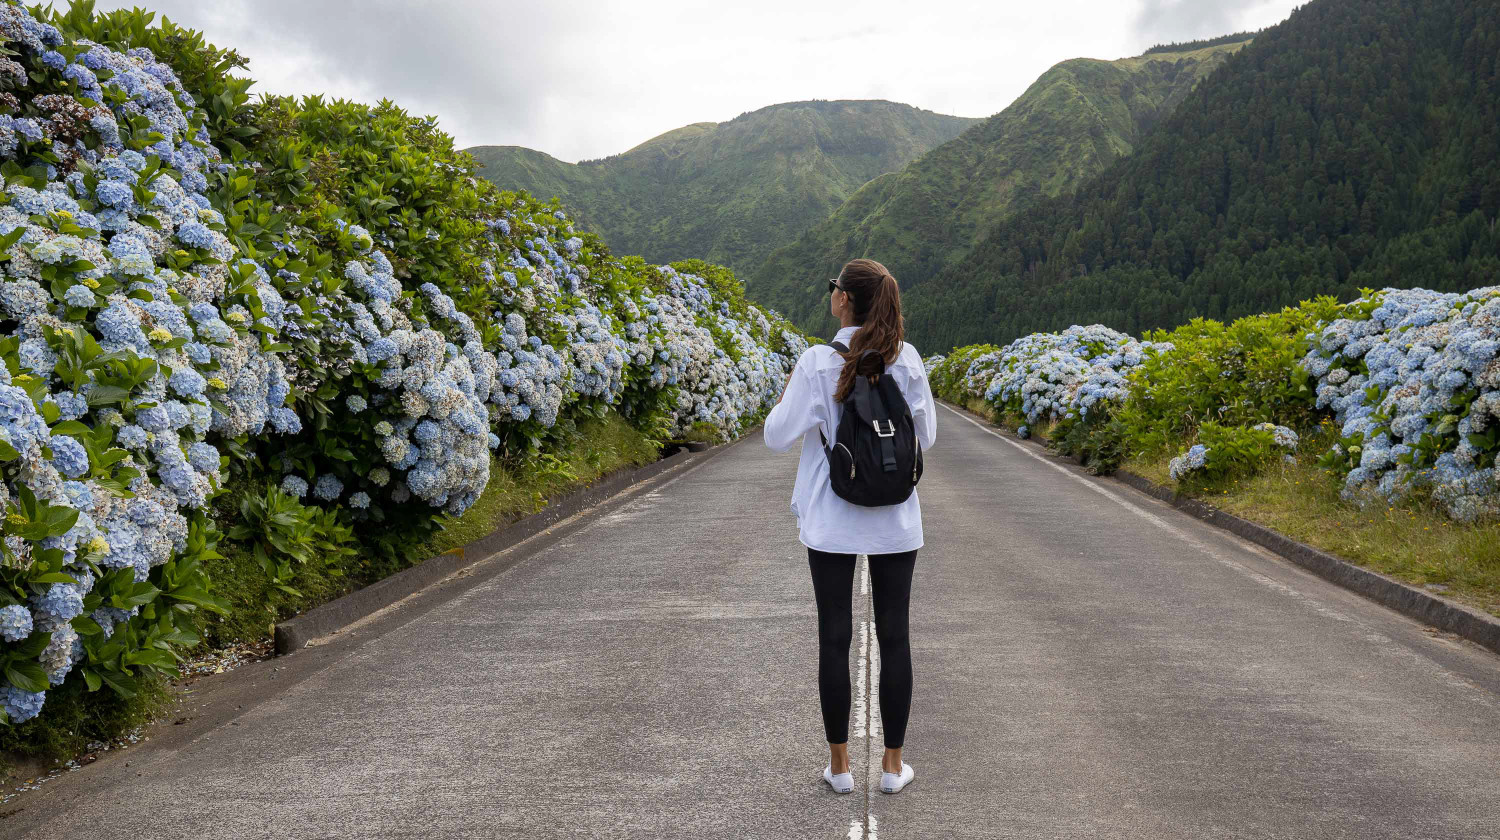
(1356,144)
(1076,119)
(729,192)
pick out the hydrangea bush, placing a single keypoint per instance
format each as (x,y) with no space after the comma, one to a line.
(1224,451)
(1411,378)
(1050,377)
(317,303)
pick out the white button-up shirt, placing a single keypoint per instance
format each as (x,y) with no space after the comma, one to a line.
(825,521)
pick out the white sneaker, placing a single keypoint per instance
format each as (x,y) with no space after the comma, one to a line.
(842,783)
(894,782)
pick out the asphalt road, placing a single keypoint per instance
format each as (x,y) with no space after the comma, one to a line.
(1089,663)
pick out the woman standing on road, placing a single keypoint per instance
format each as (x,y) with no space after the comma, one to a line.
(867,303)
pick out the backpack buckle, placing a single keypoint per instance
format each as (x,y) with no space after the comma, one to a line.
(891,432)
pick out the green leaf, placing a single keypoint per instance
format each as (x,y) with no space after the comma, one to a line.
(107,395)
(71,428)
(53,577)
(150,656)
(141,594)
(27,676)
(123,684)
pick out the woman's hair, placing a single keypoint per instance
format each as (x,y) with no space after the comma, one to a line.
(877,310)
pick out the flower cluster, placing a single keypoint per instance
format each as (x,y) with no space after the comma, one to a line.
(1194,459)
(1057,376)
(1413,379)
(358,363)
(136,347)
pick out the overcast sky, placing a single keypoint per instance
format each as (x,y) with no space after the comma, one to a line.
(590,78)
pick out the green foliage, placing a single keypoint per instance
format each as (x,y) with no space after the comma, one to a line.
(76,716)
(1072,122)
(309,186)
(1187,46)
(1238,374)
(593,448)
(283,531)
(1233,451)
(1354,145)
(733,191)
(1099,442)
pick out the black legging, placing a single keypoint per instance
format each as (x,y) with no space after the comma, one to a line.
(890,582)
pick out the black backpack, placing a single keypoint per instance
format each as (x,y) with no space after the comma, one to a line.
(875,459)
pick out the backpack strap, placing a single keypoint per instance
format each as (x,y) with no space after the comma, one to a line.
(842,348)
(873,407)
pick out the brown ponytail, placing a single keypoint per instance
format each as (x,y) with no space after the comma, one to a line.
(877,310)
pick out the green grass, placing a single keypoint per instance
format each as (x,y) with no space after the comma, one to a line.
(1412,542)
(518,489)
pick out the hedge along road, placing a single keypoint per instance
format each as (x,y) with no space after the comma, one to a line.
(1089,663)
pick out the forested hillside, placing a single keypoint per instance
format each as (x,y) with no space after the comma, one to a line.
(1075,120)
(729,192)
(1354,145)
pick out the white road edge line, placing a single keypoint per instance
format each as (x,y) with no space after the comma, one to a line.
(625,497)
(1477,693)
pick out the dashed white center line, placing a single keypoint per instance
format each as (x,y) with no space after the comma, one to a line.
(866,711)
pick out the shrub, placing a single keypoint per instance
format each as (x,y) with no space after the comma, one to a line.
(1238,374)
(1411,378)
(1230,451)
(315,306)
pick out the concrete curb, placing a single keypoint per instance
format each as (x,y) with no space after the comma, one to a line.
(1414,603)
(295,633)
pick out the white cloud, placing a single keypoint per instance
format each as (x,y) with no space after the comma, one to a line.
(589,80)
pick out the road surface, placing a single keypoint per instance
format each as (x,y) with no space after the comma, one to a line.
(1089,663)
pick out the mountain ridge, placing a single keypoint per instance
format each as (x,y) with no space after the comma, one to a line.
(728,192)
(1355,145)
(1075,119)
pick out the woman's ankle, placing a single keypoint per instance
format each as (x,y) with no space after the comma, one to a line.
(838,757)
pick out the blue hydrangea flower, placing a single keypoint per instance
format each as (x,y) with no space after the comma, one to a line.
(294,485)
(22,705)
(15,623)
(187,382)
(62,602)
(328,487)
(153,419)
(131,436)
(196,235)
(69,456)
(79,295)
(114,194)
(285,421)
